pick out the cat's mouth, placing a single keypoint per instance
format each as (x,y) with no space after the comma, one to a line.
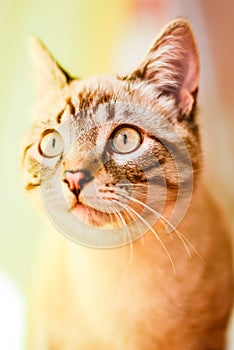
(94,217)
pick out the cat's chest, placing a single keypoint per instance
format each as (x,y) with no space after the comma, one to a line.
(128,285)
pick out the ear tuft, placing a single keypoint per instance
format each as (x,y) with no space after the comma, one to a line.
(172,65)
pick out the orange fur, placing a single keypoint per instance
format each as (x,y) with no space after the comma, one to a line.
(164,291)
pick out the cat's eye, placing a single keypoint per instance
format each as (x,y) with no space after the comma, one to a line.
(51,144)
(126,140)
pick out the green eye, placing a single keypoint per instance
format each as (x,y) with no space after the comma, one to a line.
(51,144)
(126,140)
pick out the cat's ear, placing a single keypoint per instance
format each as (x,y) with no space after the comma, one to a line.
(50,79)
(172,65)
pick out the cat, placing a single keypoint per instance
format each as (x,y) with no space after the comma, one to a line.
(117,161)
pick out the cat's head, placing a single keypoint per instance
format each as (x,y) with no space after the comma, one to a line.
(109,155)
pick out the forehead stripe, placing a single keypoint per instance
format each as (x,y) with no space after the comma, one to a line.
(110,110)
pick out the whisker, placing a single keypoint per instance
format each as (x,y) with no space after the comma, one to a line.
(191,246)
(156,235)
(131,216)
(142,236)
(179,234)
(130,241)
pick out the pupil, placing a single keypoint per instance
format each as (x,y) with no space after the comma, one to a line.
(125,139)
(53,142)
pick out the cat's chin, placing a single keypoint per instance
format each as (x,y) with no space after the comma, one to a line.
(94,217)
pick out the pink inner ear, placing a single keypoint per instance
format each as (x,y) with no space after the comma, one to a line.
(190,83)
(186,101)
(192,74)
(172,64)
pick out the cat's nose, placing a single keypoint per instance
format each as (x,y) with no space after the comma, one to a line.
(76,179)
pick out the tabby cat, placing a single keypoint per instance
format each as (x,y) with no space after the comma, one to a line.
(117,163)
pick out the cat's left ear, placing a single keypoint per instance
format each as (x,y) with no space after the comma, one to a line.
(172,65)
(50,79)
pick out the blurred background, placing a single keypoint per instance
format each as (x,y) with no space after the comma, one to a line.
(91,37)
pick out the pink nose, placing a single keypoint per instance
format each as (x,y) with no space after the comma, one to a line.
(76,179)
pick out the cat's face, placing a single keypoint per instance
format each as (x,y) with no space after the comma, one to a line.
(113,153)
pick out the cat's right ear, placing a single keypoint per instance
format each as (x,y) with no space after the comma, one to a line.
(50,79)
(171,66)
